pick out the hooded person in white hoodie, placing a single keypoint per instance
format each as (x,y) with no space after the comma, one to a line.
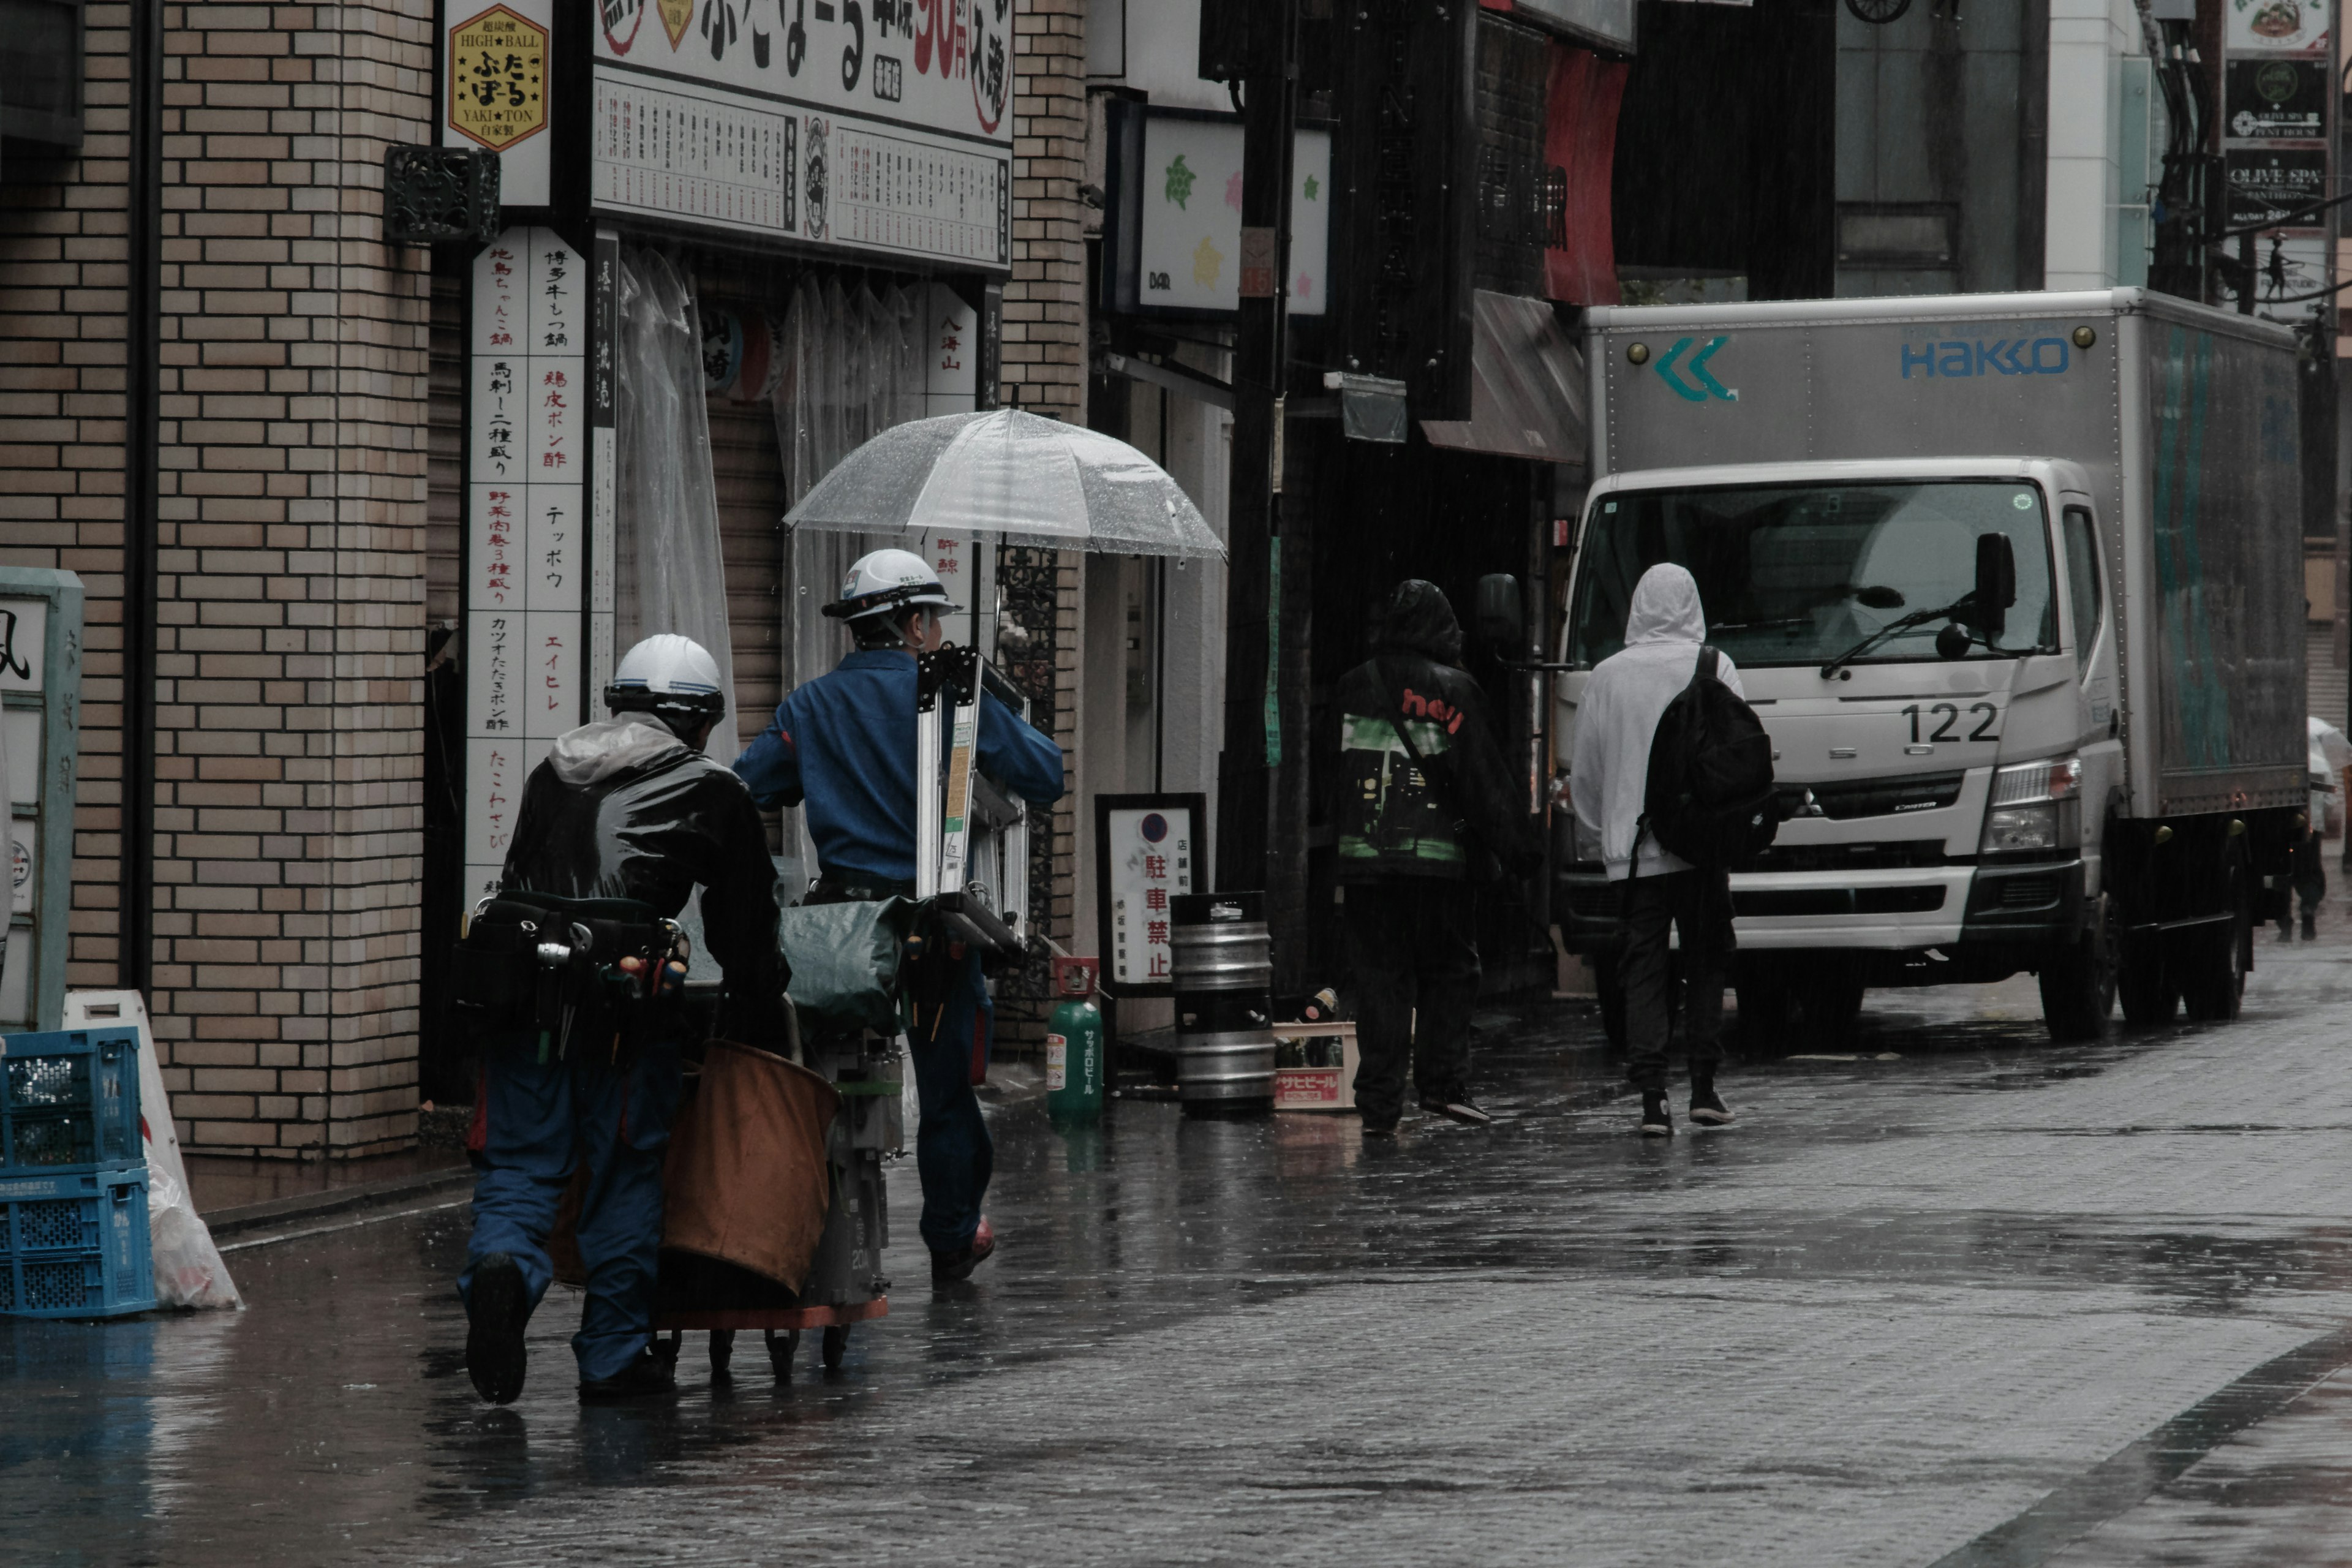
(1609,777)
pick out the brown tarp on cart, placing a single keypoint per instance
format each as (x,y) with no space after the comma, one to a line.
(745,1181)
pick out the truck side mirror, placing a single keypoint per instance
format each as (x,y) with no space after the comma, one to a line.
(1498,616)
(1996,588)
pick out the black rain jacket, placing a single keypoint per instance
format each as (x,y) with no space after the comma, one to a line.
(623,809)
(1392,821)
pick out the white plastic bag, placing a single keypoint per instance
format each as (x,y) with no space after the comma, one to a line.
(188,1268)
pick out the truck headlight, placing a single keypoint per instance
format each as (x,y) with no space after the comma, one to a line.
(2034,807)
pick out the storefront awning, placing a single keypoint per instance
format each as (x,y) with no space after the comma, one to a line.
(1526,386)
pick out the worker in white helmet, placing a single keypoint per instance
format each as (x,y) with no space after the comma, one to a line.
(843,748)
(581,1056)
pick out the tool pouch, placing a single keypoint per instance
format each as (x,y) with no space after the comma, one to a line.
(502,980)
(494,969)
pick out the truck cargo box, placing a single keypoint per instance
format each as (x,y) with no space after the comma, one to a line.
(2186,419)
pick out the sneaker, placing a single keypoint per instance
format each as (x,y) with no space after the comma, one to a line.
(1657,1121)
(1458,1108)
(948,1268)
(1707,1106)
(649,1376)
(1380,1127)
(496,1306)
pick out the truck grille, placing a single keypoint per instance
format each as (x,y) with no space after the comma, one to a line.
(1852,798)
(1896,855)
(1840,902)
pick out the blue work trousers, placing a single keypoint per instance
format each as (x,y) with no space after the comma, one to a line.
(952,1150)
(535,1122)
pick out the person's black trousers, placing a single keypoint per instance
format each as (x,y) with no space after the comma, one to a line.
(1414,944)
(1698,904)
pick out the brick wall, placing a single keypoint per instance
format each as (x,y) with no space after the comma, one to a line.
(294,370)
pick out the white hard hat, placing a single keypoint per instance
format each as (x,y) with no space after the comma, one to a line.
(667,672)
(885,580)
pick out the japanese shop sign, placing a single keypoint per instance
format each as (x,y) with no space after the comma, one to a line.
(881,126)
(494,67)
(498,79)
(1191,251)
(527,547)
(1149,850)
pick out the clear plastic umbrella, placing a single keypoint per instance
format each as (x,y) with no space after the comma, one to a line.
(1032,480)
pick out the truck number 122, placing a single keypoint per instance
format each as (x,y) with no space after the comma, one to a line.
(1951,716)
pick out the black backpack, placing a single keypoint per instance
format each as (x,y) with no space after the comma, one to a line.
(1709,797)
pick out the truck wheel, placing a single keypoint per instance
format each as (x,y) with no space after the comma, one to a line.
(2216,983)
(1610,989)
(2078,983)
(1764,1002)
(1830,999)
(2145,985)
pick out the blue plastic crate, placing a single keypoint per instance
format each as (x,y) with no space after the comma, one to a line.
(69,1100)
(76,1245)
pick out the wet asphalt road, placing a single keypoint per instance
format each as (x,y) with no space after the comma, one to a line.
(1967,1300)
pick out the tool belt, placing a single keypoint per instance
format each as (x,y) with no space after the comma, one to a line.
(552,969)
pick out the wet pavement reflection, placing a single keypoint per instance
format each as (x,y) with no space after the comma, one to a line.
(1946,1294)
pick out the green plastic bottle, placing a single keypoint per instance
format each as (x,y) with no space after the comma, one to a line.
(1074,1045)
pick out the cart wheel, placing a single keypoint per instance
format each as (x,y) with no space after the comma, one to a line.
(722,1352)
(836,1344)
(780,1351)
(667,1348)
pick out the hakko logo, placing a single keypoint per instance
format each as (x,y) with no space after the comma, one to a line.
(1976,356)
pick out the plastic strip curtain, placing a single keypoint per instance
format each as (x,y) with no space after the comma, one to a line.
(671,577)
(853,367)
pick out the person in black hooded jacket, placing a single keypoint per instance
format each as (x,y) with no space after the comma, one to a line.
(626,807)
(1416,837)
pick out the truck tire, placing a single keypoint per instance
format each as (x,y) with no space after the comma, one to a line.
(2217,960)
(2145,985)
(1764,1010)
(1611,992)
(1829,995)
(2078,983)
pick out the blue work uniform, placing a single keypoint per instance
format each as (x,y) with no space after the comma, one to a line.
(620,809)
(843,748)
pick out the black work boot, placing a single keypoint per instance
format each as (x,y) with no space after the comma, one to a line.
(2311,925)
(498,1304)
(648,1377)
(1657,1121)
(952,1267)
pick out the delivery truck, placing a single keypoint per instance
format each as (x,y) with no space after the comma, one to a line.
(2015,582)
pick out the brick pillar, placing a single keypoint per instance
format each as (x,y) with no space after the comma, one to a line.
(1044,370)
(290,696)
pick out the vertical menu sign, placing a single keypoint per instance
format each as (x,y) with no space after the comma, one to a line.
(528,456)
(40,746)
(2275,80)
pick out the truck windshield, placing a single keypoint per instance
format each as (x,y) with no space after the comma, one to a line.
(1800,574)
